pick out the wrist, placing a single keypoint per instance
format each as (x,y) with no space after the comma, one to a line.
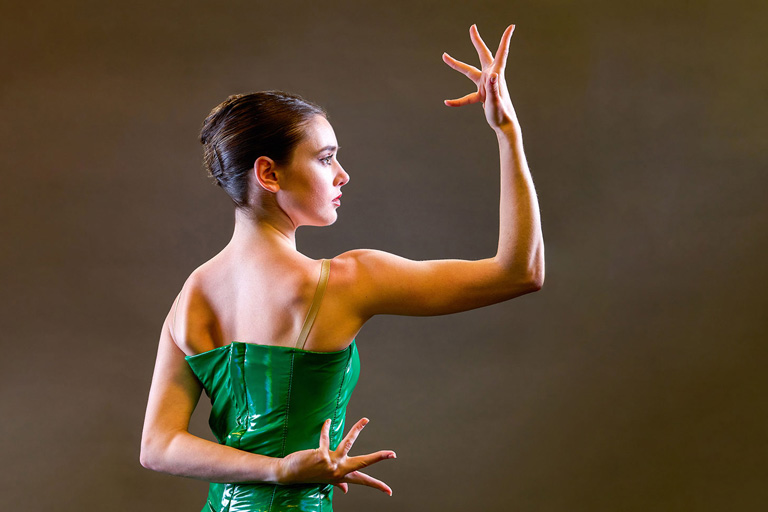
(508,132)
(279,473)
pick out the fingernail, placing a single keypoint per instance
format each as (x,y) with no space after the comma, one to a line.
(392,455)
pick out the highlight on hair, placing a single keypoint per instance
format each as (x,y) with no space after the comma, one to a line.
(246,126)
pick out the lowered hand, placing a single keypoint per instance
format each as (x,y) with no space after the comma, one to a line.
(323,465)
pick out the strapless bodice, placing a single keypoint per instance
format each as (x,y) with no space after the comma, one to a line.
(273,400)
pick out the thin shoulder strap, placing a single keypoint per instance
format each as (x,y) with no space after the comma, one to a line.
(312,313)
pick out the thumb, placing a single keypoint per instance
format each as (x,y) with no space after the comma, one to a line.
(493,86)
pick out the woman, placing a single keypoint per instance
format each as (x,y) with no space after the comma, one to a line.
(280,393)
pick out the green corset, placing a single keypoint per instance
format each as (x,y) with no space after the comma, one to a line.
(273,401)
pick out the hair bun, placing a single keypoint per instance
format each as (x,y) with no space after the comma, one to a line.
(246,126)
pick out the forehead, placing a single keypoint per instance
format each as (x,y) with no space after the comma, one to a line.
(318,133)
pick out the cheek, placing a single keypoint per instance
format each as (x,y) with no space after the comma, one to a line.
(315,189)
(304,196)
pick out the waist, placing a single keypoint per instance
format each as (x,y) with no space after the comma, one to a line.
(242,497)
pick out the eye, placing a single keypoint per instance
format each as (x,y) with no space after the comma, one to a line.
(327,160)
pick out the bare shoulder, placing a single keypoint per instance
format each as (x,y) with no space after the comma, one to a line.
(192,316)
(352,270)
(347,266)
(356,261)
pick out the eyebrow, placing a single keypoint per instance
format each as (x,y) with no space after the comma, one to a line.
(329,148)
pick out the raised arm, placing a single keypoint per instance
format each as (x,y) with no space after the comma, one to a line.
(168,447)
(383,283)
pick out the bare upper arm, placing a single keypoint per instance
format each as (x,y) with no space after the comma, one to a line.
(383,283)
(173,395)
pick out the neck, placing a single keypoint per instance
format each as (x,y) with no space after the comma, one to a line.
(258,232)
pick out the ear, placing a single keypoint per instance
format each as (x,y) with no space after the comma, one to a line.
(266,173)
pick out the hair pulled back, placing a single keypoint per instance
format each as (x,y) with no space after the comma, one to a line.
(246,126)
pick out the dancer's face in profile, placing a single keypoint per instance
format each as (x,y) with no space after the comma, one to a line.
(312,181)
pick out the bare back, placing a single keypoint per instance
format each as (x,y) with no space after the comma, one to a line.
(266,303)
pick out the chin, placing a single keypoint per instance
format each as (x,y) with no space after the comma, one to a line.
(332,220)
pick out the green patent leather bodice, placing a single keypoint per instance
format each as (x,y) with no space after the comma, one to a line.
(273,400)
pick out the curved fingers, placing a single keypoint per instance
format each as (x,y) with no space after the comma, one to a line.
(358,477)
(464,100)
(325,441)
(503,50)
(470,72)
(346,444)
(362,461)
(486,58)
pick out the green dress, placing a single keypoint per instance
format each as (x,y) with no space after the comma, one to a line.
(273,400)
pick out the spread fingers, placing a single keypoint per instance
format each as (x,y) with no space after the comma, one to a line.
(503,49)
(362,461)
(357,477)
(346,444)
(325,435)
(464,100)
(486,58)
(470,72)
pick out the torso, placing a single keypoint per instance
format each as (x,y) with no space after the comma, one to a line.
(241,299)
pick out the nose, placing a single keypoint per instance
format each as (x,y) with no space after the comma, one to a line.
(342,177)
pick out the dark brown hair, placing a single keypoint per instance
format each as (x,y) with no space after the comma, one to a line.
(247,126)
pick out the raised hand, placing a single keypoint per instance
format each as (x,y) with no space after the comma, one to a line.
(323,465)
(491,86)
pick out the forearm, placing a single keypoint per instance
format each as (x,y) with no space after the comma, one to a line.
(184,454)
(521,243)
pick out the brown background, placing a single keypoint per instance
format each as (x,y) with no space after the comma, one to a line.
(634,381)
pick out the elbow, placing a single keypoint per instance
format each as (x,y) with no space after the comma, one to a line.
(523,277)
(523,284)
(536,275)
(158,450)
(535,285)
(150,456)
(515,284)
(535,278)
(144,460)
(537,281)
(147,458)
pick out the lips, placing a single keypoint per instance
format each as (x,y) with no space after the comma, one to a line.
(337,198)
